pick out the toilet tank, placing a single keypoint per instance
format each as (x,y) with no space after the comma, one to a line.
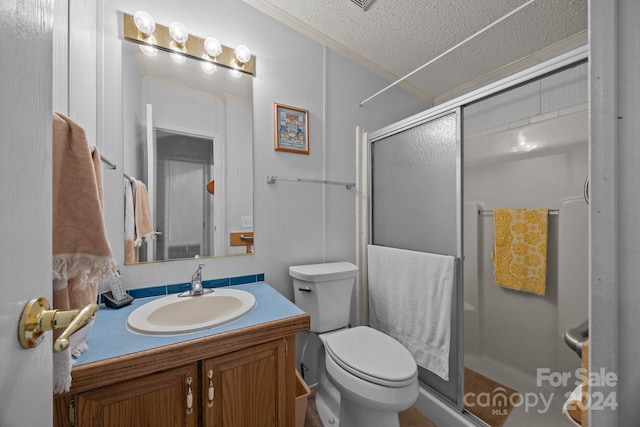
(324,292)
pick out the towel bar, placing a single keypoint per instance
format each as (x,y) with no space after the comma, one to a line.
(108,162)
(271,179)
(113,166)
(489,212)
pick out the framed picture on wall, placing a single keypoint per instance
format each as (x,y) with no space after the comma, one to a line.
(291,127)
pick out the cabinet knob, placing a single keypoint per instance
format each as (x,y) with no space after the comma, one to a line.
(211,390)
(189,396)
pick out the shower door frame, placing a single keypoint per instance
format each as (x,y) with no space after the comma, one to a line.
(452,390)
(554,65)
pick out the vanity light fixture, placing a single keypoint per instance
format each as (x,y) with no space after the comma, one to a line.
(243,54)
(144,23)
(176,39)
(212,46)
(178,33)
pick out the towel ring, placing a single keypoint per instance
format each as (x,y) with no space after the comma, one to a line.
(586,190)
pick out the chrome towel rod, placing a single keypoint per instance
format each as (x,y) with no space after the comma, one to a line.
(108,162)
(113,166)
(271,179)
(489,212)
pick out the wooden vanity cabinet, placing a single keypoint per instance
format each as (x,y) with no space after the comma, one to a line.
(159,400)
(243,378)
(246,388)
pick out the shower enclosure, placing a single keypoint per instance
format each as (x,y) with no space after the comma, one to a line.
(519,143)
(527,148)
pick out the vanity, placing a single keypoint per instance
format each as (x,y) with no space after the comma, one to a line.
(168,109)
(238,374)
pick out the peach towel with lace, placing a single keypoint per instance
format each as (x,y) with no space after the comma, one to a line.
(81,251)
(520,253)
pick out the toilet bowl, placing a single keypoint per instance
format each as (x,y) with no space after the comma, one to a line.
(365,377)
(375,375)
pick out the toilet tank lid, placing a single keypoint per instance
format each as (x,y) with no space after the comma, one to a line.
(323,272)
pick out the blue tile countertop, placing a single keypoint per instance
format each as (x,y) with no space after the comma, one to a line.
(111,338)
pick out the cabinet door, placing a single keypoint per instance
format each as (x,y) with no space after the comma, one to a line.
(62,410)
(158,400)
(249,388)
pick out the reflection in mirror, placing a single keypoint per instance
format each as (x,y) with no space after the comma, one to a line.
(187,132)
(183,210)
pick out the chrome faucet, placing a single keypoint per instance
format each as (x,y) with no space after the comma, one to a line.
(196,281)
(196,285)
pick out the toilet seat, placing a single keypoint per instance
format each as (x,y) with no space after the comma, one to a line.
(372,356)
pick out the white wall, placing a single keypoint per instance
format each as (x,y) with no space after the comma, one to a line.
(294,223)
(182,110)
(240,175)
(133,118)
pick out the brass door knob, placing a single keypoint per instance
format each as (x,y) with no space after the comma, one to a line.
(36,319)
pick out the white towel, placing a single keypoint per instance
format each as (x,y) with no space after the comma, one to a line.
(130,251)
(129,220)
(410,297)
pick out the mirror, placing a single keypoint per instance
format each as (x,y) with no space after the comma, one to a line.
(188,137)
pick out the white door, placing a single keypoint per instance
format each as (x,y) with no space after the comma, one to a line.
(25,205)
(185,214)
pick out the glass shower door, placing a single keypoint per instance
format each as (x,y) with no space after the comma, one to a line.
(416,204)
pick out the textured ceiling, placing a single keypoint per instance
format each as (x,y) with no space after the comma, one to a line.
(401,35)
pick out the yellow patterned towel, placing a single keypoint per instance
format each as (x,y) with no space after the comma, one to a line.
(520,255)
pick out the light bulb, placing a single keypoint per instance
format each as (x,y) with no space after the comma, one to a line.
(208,67)
(243,54)
(178,33)
(144,22)
(212,47)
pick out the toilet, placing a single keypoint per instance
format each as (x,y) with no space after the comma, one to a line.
(365,377)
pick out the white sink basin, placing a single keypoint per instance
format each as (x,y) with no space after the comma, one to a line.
(173,315)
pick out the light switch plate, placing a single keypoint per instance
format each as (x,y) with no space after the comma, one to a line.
(247,221)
